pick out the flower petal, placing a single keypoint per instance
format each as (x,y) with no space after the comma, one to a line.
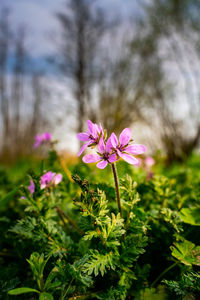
(38,140)
(125,137)
(135,149)
(31,187)
(119,152)
(37,144)
(57,179)
(129,159)
(83,136)
(102,164)
(114,140)
(46,136)
(90,158)
(101,146)
(149,161)
(91,127)
(84,147)
(100,129)
(112,158)
(109,145)
(95,131)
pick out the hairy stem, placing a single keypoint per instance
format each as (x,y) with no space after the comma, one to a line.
(63,216)
(163,273)
(114,170)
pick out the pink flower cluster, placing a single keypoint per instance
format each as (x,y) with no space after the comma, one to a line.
(31,187)
(42,138)
(50,179)
(110,150)
(47,180)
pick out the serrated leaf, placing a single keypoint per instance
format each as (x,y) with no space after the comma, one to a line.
(22,290)
(187,253)
(100,263)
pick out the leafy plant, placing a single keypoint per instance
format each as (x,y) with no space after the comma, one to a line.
(37,264)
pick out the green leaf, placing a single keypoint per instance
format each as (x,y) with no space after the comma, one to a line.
(191,215)
(187,253)
(45,296)
(100,263)
(49,284)
(22,290)
(77,272)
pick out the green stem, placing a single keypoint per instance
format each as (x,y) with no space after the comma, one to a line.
(68,288)
(63,216)
(114,170)
(163,273)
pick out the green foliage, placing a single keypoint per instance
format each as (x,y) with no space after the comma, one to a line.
(70,242)
(98,263)
(22,290)
(152,294)
(37,263)
(188,284)
(187,253)
(7,198)
(190,215)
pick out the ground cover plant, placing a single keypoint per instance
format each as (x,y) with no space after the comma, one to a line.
(80,231)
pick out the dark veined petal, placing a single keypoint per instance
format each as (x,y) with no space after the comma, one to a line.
(112,158)
(129,159)
(91,158)
(125,137)
(83,136)
(114,140)
(101,146)
(91,127)
(102,164)
(109,145)
(135,149)
(84,147)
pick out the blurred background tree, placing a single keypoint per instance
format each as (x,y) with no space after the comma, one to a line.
(21,92)
(167,47)
(83,26)
(140,70)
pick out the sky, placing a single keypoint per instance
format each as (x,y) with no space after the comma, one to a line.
(42,26)
(43,30)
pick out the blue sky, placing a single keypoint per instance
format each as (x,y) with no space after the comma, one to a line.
(39,18)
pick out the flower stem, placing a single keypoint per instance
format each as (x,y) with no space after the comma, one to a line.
(163,273)
(63,216)
(114,170)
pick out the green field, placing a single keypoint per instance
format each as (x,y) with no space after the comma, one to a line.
(69,241)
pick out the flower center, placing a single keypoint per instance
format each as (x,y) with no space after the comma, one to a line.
(106,156)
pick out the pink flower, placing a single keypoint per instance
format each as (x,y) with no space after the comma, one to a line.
(31,187)
(103,157)
(124,149)
(41,138)
(50,179)
(149,161)
(57,179)
(91,136)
